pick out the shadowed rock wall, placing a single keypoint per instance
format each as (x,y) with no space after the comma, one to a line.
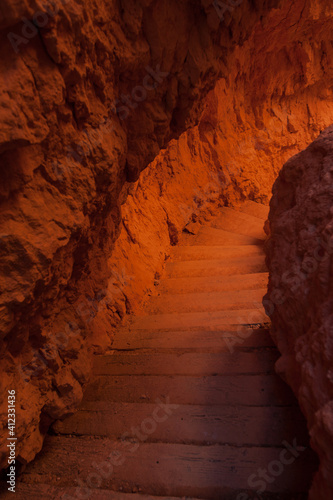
(300,294)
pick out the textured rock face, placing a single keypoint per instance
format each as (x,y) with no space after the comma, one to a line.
(300,296)
(86,102)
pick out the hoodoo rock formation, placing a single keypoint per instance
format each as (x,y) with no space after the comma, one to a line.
(122,122)
(300,296)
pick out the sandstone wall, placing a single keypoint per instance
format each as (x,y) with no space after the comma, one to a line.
(300,295)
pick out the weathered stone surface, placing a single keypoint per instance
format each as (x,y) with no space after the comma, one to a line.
(300,296)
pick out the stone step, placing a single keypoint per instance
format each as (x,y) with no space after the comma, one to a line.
(202,320)
(226,267)
(203,302)
(28,491)
(256,209)
(203,252)
(203,340)
(211,236)
(180,363)
(189,424)
(239,223)
(208,472)
(213,283)
(233,390)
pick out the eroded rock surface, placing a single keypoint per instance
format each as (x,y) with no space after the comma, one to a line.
(300,296)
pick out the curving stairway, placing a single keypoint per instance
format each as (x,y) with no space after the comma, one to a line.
(187,404)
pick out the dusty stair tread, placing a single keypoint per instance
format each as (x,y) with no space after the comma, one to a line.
(204,252)
(201,302)
(30,491)
(201,319)
(213,283)
(213,472)
(233,221)
(211,237)
(256,209)
(189,424)
(234,390)
(137,363)
(226,267)
(239,214)
(227,340)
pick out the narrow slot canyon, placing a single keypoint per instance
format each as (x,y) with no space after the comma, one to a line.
(166,240)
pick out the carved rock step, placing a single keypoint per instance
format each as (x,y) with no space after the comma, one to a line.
(27,491)
(190,424)
(208,472)
(202,252)
(201,319)
(238,222)
(213,283)
(186,363)
(187,339)
(196,268)
(204,302)
(233,390)
(211,236)
(256,209)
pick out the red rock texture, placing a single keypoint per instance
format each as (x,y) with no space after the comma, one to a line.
(300,296)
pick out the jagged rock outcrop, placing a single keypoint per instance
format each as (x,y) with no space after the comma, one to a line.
(300,296)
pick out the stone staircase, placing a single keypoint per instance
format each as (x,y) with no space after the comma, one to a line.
(187,404)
